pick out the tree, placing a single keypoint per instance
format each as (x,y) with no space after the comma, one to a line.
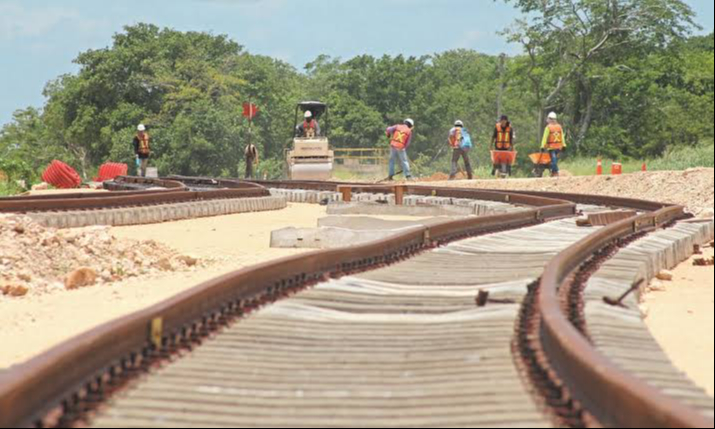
(565,41)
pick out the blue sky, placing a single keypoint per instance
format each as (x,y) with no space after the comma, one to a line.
(40,38)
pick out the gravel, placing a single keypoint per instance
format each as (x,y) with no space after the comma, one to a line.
(691,188)
(35,260)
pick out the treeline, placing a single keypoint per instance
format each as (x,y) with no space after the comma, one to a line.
(626,77)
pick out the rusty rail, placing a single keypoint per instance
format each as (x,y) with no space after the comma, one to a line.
(30,391)
(613,396)
(174,192)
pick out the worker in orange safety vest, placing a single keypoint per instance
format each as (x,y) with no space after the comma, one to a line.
(142,149)
(554,142)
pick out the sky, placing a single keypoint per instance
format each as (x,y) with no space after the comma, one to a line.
(39,39)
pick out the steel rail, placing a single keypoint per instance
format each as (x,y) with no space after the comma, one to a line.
(174,192)
(615,397)
(31,390)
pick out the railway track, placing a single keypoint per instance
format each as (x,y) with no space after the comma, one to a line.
(458,324)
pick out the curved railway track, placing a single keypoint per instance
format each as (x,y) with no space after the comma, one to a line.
(456,324)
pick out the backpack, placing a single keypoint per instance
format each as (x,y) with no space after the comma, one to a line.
(466,140)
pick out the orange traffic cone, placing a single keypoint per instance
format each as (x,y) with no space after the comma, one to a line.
(599,167)
(617,169)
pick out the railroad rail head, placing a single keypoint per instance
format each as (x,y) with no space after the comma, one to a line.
(84,365)
(124,193)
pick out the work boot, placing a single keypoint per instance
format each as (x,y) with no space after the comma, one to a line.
(555,174)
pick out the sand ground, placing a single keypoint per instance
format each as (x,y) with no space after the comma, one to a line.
(32,325)
(681,319)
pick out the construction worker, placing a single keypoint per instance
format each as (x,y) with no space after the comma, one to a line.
(309,128)
(400,139)
(503,139)
(142,149)
(459,150)
(251,155)
(554,142)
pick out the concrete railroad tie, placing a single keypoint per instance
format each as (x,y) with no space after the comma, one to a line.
(412,204)
(403,346)
(157,214)
(621,334)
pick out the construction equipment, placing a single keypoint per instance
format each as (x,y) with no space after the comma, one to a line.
(311,157)
(503,161)
(542,162)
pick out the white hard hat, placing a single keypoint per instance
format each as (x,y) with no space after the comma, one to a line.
(459,124)
(308,114)
(141,127)
(553,116)
(410,122)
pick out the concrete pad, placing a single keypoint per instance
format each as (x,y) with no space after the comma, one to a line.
(365,223)
(327,238)
(374,209)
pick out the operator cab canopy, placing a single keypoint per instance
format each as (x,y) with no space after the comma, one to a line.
(320,115)
(317,108)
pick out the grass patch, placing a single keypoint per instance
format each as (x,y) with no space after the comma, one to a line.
(8,189)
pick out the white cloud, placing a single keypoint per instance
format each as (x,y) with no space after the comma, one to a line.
(17,21)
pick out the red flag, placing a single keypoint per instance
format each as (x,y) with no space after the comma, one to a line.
(250,110)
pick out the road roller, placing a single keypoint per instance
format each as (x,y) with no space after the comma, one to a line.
(311,157)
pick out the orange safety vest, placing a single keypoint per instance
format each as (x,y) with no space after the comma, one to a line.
(556,137)
(456,140)
(400,137)
(144,147)
(503,137)
(309,129)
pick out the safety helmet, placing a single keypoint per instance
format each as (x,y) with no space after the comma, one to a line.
(410,123)
(141,127)
(553,116)
(459,124)
(308,114)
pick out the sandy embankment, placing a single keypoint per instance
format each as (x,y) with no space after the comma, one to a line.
(682,319)
(36,322)
(692,188)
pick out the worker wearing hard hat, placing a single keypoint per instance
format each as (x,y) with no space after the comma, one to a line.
(310,128)
(554,142)
(503,139)
(400,139)
(142,149)
(461,143)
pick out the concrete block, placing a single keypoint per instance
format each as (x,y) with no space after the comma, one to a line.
(326,238)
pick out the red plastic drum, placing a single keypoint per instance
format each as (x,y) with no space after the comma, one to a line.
(61,175)
(111,171)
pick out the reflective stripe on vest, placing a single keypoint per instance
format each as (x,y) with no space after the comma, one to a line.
(400,137)
(309,129)
(503,137)
(456,140)
(144,147)
(556,137)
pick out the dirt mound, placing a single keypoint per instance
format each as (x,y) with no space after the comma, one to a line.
(691,188)
(37,260)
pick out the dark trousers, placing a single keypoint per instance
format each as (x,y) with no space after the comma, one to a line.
(456,155)
(249,168)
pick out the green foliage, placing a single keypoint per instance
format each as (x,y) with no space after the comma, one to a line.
(622,94)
